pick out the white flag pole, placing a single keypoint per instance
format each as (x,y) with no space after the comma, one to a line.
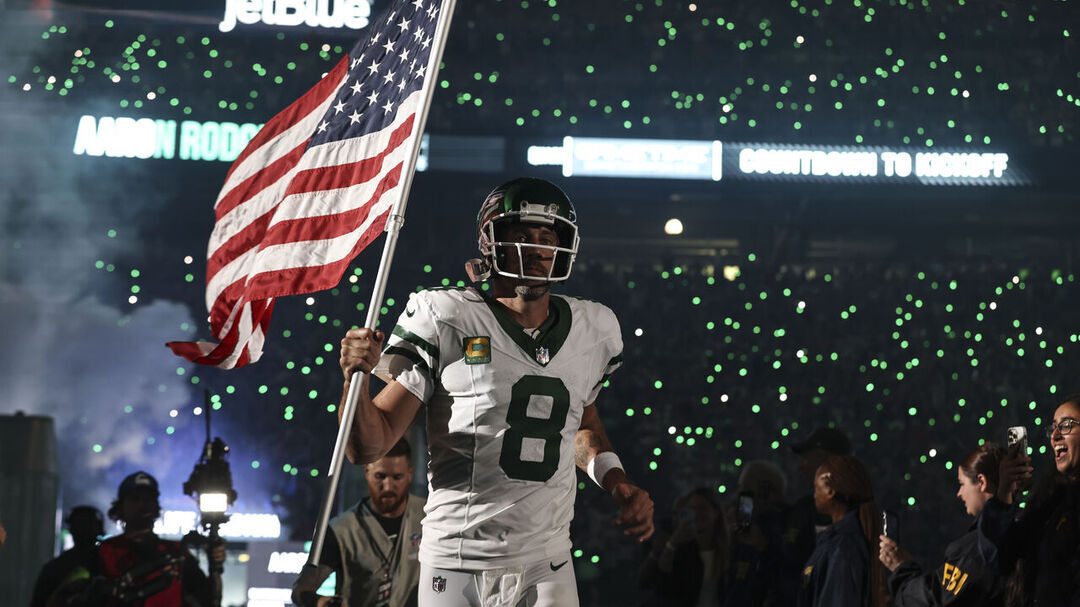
(393,226)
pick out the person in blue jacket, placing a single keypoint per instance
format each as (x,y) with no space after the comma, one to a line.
(840,571)
(962,580)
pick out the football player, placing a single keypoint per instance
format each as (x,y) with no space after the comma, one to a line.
(509,378)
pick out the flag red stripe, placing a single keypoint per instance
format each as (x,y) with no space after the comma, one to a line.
(293,281)
(328,226)
(300,230)
(260,315)
(248,188)
(238,244)
(223,304)
(340,176)
(295,112)
(345,175)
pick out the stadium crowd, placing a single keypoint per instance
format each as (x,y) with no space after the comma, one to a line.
(731,364)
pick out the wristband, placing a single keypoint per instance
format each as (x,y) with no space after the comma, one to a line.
(600,465)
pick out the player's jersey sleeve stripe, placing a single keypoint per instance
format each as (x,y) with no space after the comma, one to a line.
(411,356)
(419,342)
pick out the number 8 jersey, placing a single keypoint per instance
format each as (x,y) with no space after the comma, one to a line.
(503,407)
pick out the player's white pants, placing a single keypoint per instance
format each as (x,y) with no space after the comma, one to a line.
(547,583)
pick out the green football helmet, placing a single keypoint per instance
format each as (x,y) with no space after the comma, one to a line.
(529,201)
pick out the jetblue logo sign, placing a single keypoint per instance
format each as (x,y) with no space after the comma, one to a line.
(353,14)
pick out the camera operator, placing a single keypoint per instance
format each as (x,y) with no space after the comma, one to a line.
(962,579)
(145,570)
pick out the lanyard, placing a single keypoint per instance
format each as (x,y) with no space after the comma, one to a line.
(386,559)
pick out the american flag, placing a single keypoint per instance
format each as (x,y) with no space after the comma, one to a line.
(316,184)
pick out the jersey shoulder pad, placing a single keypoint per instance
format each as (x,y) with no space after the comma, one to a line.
(594,315)
(447,303)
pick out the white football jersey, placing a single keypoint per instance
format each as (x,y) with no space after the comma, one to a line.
(503,408)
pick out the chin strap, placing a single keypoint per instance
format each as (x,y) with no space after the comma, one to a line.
(477,269)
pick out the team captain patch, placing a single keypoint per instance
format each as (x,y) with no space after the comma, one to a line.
(477,350)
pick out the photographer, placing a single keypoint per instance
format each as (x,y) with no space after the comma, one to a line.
(1041,550)
(962,579)
(147,571)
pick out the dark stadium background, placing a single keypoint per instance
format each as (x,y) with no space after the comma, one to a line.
(933,316)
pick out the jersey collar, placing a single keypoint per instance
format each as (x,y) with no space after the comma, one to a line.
(550,336)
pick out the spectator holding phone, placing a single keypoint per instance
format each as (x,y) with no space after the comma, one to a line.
(756,539)
(1041,550)
(962,579)
(840,572)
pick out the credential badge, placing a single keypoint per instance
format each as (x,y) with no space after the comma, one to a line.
(438,583)
(542,355)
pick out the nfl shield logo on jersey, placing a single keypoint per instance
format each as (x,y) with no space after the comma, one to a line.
(438,583)
(543,355)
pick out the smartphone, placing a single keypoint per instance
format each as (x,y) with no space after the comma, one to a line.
(1017,439)
(744,512)
(890,525)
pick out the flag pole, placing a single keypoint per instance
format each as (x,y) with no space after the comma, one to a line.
(394,223)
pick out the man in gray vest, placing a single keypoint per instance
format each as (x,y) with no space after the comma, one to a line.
(372,548)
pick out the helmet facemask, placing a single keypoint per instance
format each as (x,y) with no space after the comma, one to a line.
(495,251)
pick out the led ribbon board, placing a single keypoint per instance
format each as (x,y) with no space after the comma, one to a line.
(125,137)
(683,159)
(655,158)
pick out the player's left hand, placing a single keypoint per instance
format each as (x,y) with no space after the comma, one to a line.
(636,516)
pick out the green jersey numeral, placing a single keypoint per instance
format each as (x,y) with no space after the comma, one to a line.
(522,426)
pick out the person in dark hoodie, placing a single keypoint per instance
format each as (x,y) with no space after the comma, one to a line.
(962,580)
(86,525)
(840,571)
(1040,550)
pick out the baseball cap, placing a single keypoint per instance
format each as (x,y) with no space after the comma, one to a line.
(138,480)
(826,439)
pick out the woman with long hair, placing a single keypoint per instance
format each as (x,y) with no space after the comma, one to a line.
(687,566)
(962,579)
(841,572)
(1040,551)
